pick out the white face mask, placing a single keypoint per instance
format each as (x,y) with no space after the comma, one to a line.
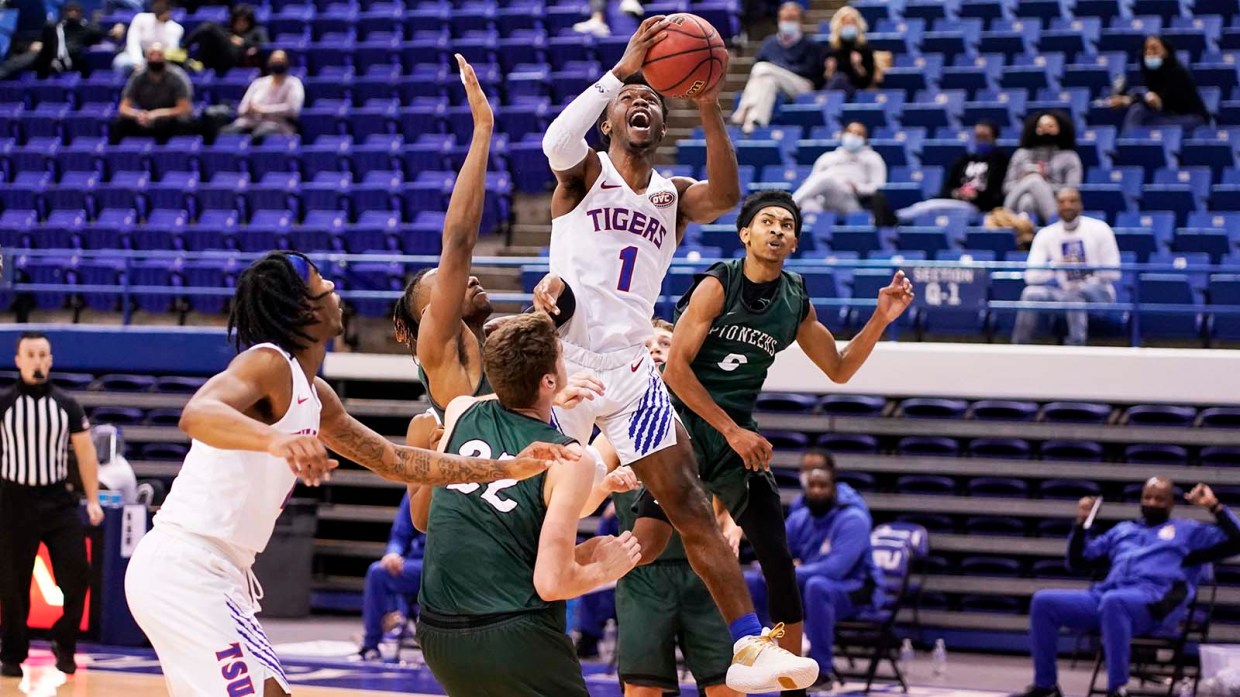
(852,142)
(790,30)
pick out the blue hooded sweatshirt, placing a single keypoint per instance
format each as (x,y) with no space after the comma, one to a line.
(845,495)
(835,545)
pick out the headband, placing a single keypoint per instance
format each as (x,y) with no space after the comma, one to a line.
(746,219)
(300,265)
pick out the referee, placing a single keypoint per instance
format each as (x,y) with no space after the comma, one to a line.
(37,423)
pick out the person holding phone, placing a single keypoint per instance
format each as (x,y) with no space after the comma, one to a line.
(1151,582)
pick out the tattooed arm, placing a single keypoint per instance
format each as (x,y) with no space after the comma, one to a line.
(349,437)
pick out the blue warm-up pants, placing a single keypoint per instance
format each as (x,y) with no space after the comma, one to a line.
(386,593)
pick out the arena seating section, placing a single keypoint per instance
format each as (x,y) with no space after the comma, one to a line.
(995,482)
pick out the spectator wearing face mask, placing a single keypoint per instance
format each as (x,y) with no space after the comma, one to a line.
(272,104)
(1045,163)
(1075,240)
(221,48)
(155,102)
(788,63)
(1153,570)
(1168,95)
(850,61)
(974,183)
(59,48)
(846,178)
(146,29)
(829,538)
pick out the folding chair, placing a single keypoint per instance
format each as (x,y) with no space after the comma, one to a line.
(872,634)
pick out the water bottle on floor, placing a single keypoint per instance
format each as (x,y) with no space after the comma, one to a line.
(607,648)
(1184,688)
(938,659)
(906,654)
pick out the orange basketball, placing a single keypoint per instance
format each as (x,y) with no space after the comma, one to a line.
(689,61)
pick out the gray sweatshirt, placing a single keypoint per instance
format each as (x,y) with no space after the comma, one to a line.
(1061,168)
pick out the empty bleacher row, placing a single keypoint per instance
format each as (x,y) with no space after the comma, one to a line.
(995,481)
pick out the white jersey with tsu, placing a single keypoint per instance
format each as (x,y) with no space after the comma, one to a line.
(235,496)
(614,250)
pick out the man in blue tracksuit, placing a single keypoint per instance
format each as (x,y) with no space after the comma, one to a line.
(391,580)
(1153,571)
(817,458)
(829,537)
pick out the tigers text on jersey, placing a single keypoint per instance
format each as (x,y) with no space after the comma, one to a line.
(480,558)
(614,249)
(741,345)
(235,496)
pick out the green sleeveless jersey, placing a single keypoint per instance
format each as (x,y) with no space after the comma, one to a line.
(743,341)
(675,550)
(480,558)
(483,389)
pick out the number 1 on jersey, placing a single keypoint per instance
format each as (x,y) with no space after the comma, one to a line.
(628,259)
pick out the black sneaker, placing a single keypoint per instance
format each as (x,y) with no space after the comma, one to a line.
(11,670)
(369,655)
(587,647)
(1035,691)
(64,660)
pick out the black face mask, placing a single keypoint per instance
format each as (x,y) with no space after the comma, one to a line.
(819,507)
(1046,139)
(155,66)
(1155,515)
(278,68)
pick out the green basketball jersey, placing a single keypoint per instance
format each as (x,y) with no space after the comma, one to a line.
(743,341)
(483,389)
(675,550)
(479,559)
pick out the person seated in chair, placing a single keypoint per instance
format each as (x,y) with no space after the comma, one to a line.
(389,581)
(272,104)
(156,102)
(1148,589)
(829,538)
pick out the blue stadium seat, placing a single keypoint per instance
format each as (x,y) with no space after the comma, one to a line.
(992,526)
(847,443)
(1156,454)
(1174,289)
(852,405)
(1013,448)
(1080,450)
(1160,415)
(785,402)
(1068,489)
(1076,412)
(997,487)
(1219,456)
(934,408)
(1224,289)
(925,484)
(990,566)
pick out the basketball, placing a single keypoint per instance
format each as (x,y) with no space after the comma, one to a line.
(689,61)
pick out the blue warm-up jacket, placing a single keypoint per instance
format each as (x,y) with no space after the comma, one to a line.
(835,545)
(405,539)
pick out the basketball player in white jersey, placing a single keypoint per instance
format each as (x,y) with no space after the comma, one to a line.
(615,226)
(257,428)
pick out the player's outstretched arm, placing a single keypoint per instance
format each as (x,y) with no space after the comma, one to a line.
(216,414)
(559,573)
(819,345)
(575,164)
(690,333)
(705,201)
(351,438)
(441,323)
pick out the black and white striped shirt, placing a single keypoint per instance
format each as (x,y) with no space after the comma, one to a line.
(35,424)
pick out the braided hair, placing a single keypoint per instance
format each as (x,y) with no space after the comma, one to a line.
(405,318)
(273,303)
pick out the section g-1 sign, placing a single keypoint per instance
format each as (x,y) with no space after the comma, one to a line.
(946,287)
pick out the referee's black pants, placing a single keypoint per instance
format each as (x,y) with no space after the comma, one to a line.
(30,515)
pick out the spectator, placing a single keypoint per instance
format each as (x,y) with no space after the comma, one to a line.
(39,424)
(829,538)
(817,458)
(272,104)
(156,101)
(59,49)
(850,61)
(1075,240)
(1151,581)
(788,63)
(1045,163)
(147,29)
(390,581)
(845,179)
(220,48)
(597,24)
(975,182)
(1169,97)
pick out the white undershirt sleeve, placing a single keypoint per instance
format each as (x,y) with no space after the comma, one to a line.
(565,141)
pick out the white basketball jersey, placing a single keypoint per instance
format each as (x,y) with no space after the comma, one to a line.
(614,249)
(235,496)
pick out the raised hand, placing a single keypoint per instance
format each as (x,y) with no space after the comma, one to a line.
(895,298)
(547,294)
(478,104)
(537,457)
(1083,507)
(581,387)
(306,457)
(616,556)
(620,480)
(754,450)
(650,32)
(1202,495)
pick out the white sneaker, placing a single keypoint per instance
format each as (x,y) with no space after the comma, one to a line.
(632,7)
(593,26)
(760,665)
